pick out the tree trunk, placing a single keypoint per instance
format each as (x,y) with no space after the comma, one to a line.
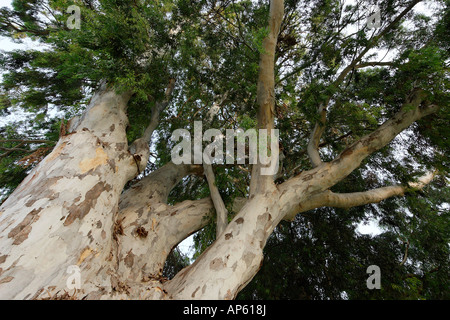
(61,214)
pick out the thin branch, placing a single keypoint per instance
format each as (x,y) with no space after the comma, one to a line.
(321,145)
(374,64)
(26,141)
(140,147)
(405,257)
(18,148)
(14,149)
(221,211)
(156,112)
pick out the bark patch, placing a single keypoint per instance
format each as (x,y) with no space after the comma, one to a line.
(240,220)
(265,219)
(121,146)
(56,152)
(3,258)
(30,202)
(118,228)
(22,230)
(228,236)
(100,158)
(112,164)
(193,293)
(248,258)
(216,265)
(347,152)
(90,200)
(6,279)
(129,259)
(141,232)
(86,253)
(229,295)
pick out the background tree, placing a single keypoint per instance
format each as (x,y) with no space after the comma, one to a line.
(362,114)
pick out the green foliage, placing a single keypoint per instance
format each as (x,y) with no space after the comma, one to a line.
(175,262)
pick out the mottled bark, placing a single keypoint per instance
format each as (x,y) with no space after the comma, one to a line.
(70,210)
(61,214)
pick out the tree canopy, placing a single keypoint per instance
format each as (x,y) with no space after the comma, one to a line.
(326,54)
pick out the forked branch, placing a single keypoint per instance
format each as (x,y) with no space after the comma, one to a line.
(317,180)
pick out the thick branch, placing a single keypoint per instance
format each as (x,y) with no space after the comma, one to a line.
(266,89)
(266,78)
(313,145)
(155,187)
(148,228)
(349,200)
(221,211)
(149,233)
(414,108)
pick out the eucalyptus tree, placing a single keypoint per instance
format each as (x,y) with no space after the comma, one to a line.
(101,192)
